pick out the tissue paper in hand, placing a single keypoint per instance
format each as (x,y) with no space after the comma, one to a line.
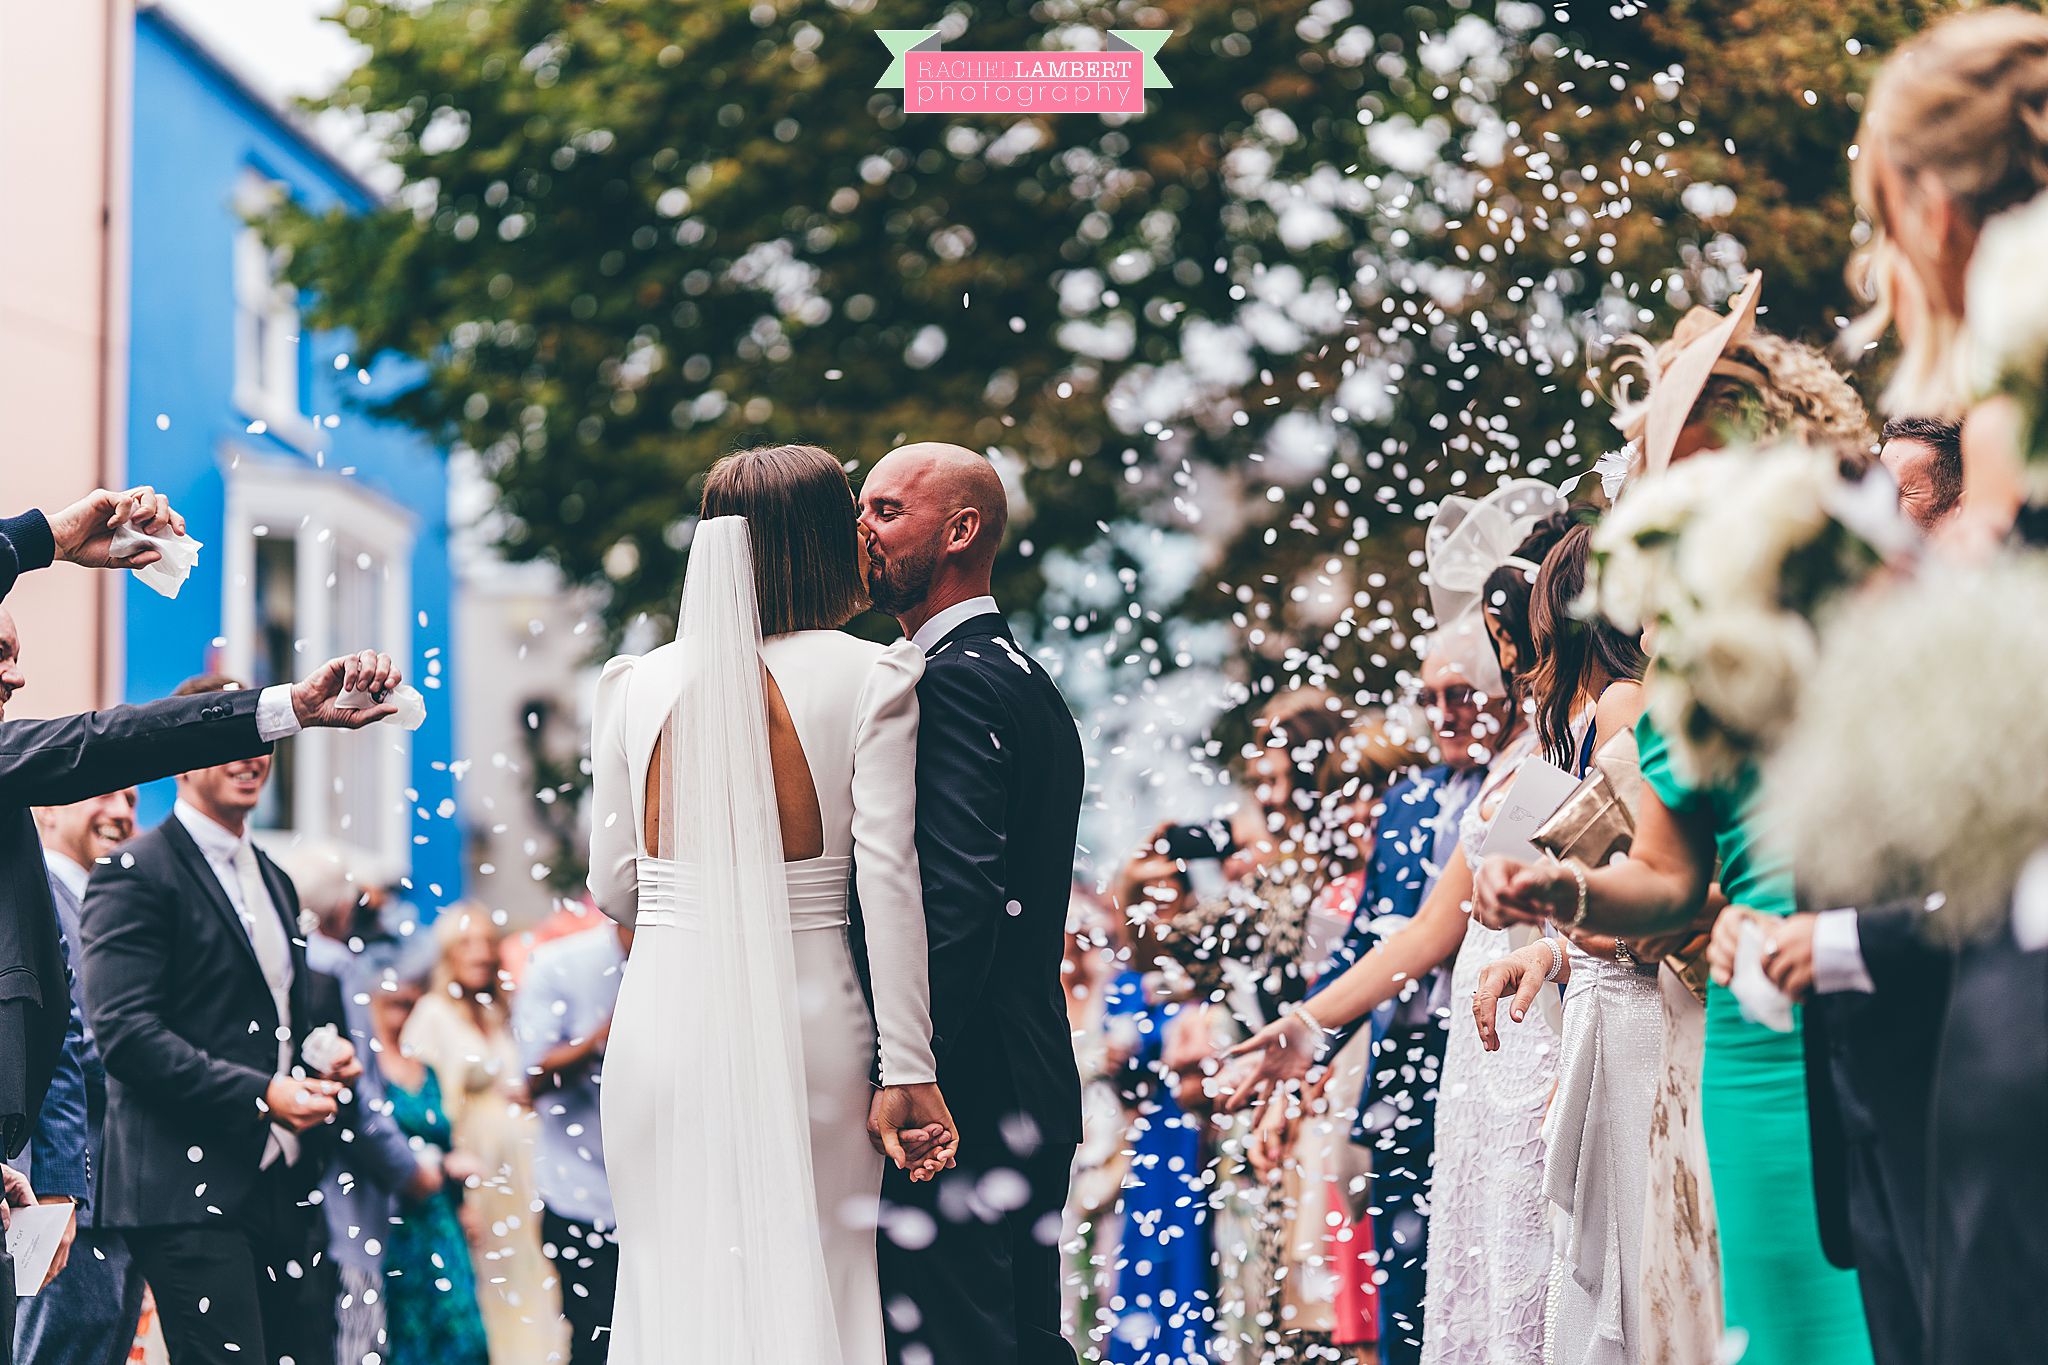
(168,574)
(1762,1002)
(412,707)
(324,1049)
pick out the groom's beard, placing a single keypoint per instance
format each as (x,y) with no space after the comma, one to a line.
(898,585)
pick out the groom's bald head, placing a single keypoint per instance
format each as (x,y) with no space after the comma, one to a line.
(952,477)
(933,514)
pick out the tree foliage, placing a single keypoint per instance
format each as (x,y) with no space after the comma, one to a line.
(1229,352)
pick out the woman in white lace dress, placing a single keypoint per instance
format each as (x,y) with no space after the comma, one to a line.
(1598,1127)
(1489,1246)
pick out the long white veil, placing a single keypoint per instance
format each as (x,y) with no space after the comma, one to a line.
(737,1152)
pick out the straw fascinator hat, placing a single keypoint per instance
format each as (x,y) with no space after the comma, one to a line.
(1468,539)
(1678,373)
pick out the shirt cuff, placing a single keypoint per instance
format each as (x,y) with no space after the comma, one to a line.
(275,718)
(1838,955)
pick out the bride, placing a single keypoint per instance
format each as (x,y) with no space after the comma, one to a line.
(742,778)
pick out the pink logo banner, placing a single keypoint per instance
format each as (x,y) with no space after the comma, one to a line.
(1020,82)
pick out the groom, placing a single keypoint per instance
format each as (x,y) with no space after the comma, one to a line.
(970,1261)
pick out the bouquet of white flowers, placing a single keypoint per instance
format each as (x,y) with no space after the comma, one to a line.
(1917,769)
(2006,332)
(1723,561)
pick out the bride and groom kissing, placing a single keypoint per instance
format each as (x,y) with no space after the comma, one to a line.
(840,1100)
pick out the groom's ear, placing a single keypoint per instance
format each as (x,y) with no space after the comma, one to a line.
(965,528)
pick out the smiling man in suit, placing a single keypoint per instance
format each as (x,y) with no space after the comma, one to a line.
(200,998)
(970,1261)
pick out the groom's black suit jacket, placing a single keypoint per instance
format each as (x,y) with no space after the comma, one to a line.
(999,779)
(54,763)
(187,1029)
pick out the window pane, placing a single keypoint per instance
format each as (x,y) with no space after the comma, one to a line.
(275,661)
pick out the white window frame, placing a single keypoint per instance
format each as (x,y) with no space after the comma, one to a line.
(268,386)
(318,509)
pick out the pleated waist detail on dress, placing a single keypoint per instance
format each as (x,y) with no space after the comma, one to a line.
(671,893)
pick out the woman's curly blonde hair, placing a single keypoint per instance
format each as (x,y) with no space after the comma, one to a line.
(1965,104)
(1798,393)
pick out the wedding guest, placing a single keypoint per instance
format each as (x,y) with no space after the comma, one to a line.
(1489,1252)
(462,1030)
(87,1314)
(1952,137)
(1163,1300)
(1329,1288)
(430,1285)
(562,1017)
(1925,456)
(1090,1231)
(1249,944)
(201,1000)
(1778,1286)
(1597,1140)
(374,1165)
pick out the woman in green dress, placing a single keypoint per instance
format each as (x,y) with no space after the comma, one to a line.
(1778,1289)
(430,1304)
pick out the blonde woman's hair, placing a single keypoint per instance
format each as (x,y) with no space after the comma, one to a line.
(1967,103)
(449,928)
(1797,391)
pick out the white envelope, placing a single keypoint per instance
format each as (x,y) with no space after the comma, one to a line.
(33,1236)
(1538,789)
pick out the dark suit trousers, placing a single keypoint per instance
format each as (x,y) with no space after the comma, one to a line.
(267,1297)
(87,1315)
(1403,1152)
(970,1261)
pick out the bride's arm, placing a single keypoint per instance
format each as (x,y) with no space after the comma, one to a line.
(885,865)
(614,879)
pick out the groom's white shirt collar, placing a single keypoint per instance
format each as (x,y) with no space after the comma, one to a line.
(939,627)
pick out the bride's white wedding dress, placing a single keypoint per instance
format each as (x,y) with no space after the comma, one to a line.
(737,1076)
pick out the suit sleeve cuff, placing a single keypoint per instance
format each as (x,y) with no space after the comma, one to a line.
(275,718)
(1838,955)
(34,545)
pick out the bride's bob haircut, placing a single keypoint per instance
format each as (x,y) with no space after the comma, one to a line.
(801,517)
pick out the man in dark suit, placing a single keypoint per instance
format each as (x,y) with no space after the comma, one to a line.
(87,1314)
(200,1000)
(57,762)
(1876,988)
(970,1261)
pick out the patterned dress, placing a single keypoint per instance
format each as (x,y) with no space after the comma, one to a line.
(429,1287)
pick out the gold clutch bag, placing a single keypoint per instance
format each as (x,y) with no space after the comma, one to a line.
(1598,820)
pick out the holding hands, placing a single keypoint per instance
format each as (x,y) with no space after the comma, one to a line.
(911,1125)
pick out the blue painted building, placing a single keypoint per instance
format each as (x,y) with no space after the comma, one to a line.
(323,530)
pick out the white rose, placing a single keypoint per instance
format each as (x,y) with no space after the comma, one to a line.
(1745,666)
(2007,330)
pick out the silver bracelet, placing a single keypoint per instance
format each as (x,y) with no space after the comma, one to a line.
(1578,917)
(1300,1010)
(1556,959)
